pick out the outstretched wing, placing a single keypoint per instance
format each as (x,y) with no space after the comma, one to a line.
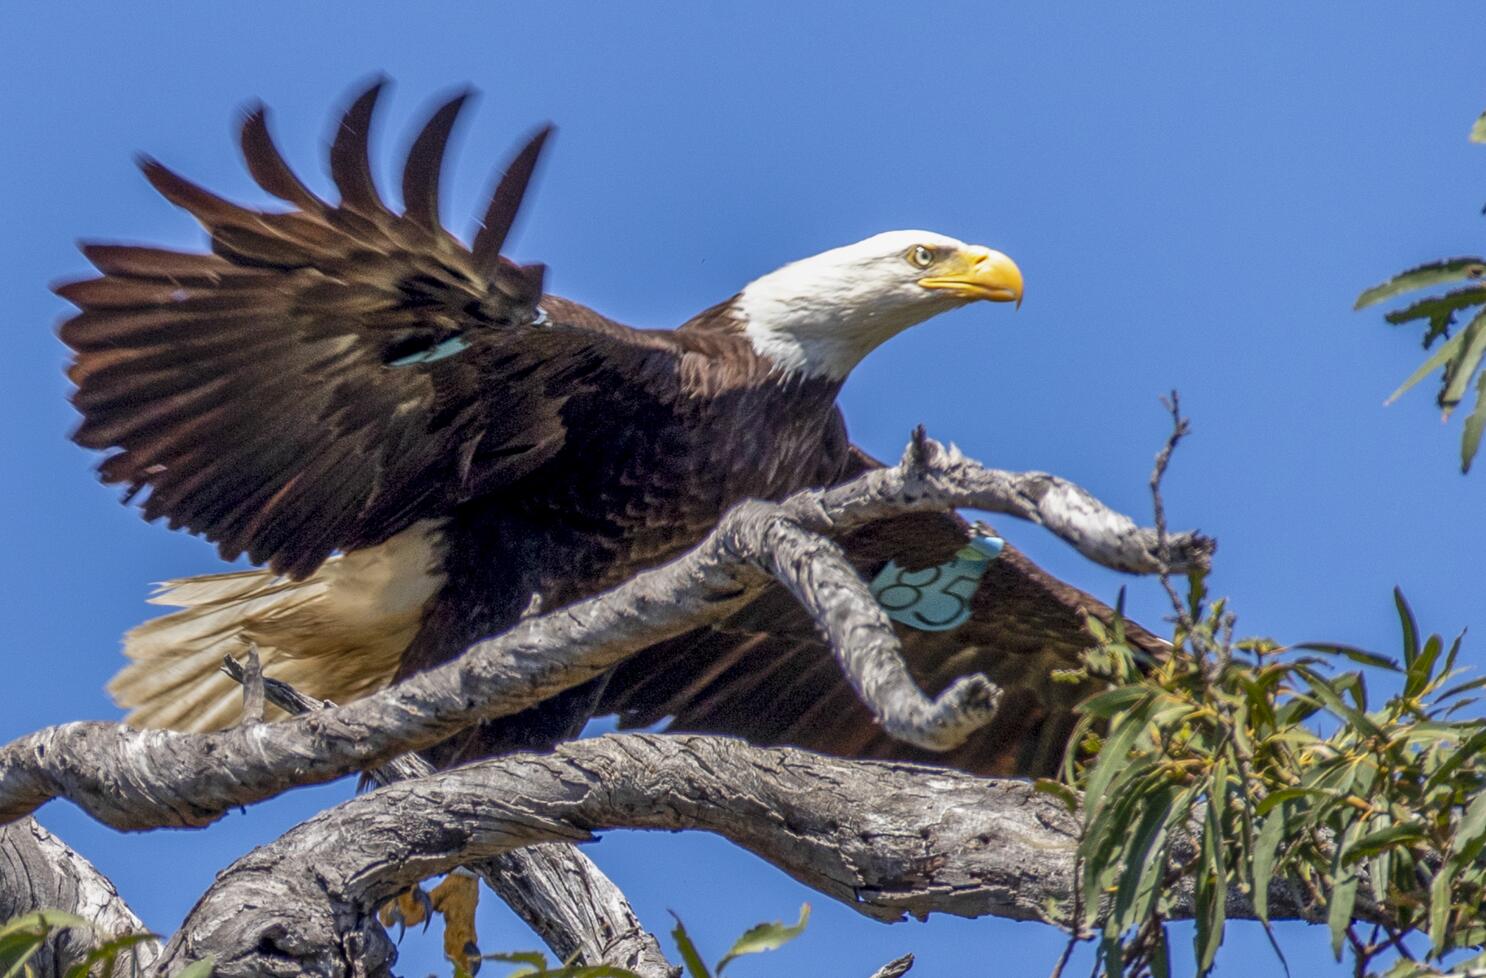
(332,372)
(765,674)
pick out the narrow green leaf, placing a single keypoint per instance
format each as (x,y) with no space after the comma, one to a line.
(1211,892)
(1359,656)
(1440,891)
(1161,954)
(1144,860)
(1266,851)
(1435,361)
(1475,423)
(1439,310)
(1468,751)
(1276,798)
(766,937)
(1410,627)
(107,954)
(1343,895)
(1478,130)
(535,960)
(198,969)
(1380,839)
(1470,833)
(17,948)
(1113,756)
(44,920)
(1111,703)
(1423,276)
(1421,670)
(1464,366)
(695,966)
(1059,790)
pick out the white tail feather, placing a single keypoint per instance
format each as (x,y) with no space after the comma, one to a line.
(337,635)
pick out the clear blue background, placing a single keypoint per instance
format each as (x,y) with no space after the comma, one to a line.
(1196,194)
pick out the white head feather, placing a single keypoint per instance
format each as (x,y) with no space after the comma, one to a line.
(821,315)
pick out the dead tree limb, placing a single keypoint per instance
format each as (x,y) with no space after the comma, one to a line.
(38,871)
(888,840)
(557,890)
(145,779)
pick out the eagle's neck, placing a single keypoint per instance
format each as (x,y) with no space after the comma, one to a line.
(795,340)
(820,322)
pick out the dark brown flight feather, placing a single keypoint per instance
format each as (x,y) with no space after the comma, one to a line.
(505,201)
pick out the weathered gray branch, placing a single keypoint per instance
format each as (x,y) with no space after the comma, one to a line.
(144,779)
(885,839)
(574,908)
(40,872)
(557,890)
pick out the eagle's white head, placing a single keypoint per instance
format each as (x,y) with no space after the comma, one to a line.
(820,316)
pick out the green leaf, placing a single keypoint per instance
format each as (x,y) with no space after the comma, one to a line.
(1144,860)
(1467,751)
(1161,955)
(1470,834)
(1439,358)
(1478,131)
(1108,704)
(1112,757)
(1439,906)
(1058,790)
(695,967)
(1384,838)
(1439,310)
(41,921)
(1460,370)
(107,954)
(1211,892)
(1423,276)
(198,969)
(766,937)
(1421,670)
(1343,895)
(1410,627)
(535,961)
(1475,423)
(1266,850)
(18,948)
(1359,656)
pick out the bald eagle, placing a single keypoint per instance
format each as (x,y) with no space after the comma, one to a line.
(419,446)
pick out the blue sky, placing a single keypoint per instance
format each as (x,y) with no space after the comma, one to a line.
(1195,193)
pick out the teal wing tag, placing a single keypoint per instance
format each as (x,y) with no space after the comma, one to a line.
(936,599)
(448,348)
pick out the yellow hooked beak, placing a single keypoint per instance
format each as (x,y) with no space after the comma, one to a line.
(978,273)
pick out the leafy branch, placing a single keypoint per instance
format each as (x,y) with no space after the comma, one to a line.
(1459,356)
(1238,765)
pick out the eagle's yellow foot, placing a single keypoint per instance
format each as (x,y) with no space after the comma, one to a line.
(455,899)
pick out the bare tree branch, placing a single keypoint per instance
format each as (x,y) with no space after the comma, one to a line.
(557,890)
(574,908)
(38,871)
(145,779)
(896,968)
(888,840)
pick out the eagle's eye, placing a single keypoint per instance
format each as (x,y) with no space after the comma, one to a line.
(921,256)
